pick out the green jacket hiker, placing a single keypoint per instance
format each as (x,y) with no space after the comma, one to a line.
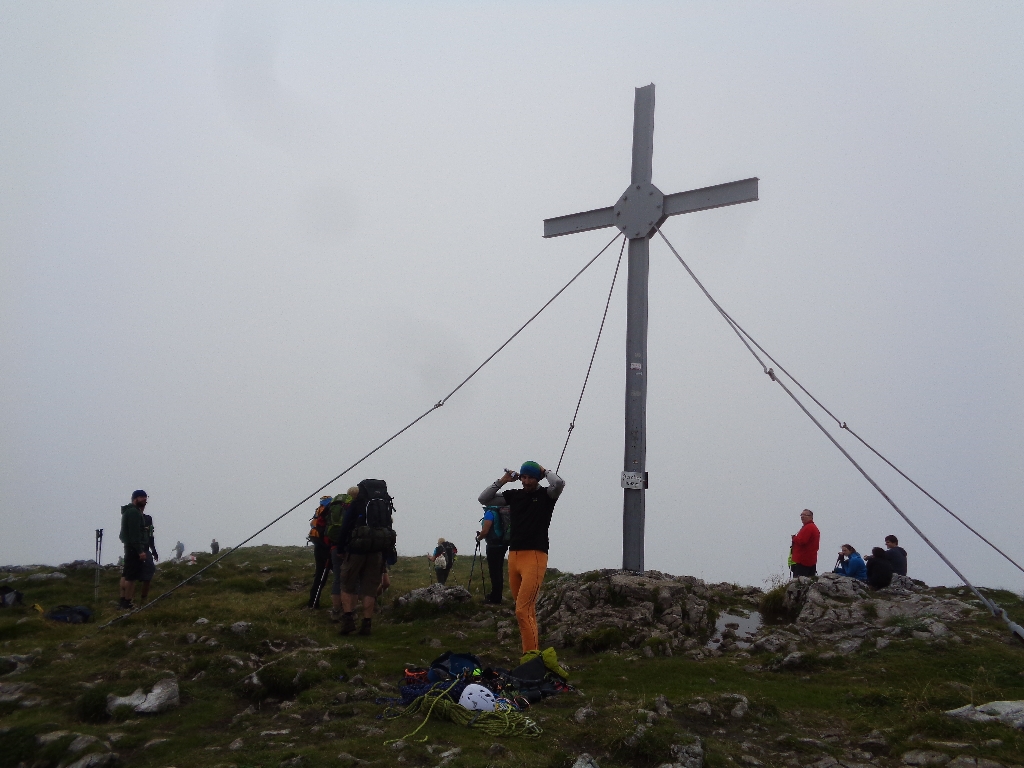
(133,532)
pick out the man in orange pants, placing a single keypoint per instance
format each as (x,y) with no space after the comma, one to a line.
(530,510)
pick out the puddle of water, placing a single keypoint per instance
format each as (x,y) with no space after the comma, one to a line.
(744,624)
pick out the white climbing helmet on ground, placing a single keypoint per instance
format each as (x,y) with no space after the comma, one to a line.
(477,697)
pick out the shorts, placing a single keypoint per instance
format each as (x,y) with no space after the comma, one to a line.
(132,569)
(148,569)
(362,573)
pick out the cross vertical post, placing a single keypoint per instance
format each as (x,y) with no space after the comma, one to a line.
(639,212)
(634,460)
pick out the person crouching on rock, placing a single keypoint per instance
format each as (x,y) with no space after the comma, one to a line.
(530,510)
(851,564)
(879,569)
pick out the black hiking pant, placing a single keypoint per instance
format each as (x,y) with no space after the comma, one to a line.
(322,558)
(442,574)
(496,569)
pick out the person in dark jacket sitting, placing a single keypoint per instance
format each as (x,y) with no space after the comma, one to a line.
(896,555)
(851,563)
(879,569)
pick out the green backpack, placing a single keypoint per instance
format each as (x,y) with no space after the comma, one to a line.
(335,515)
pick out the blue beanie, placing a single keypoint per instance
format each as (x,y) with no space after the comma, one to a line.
(530,469)
(137,494)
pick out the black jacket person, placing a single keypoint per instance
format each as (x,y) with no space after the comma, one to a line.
(530,509)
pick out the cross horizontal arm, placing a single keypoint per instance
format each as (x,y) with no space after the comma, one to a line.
(579,222)
(731,193)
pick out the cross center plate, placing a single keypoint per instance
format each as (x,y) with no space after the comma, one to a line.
(639,210)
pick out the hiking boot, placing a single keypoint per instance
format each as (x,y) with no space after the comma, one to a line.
(364,629)
(348,624)
(490,600)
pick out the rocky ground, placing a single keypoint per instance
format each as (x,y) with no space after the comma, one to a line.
(669,671)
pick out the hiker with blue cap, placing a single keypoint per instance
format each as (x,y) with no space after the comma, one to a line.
(496,530)
(530,510)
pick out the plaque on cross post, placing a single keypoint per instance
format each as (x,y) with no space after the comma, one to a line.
(639,212)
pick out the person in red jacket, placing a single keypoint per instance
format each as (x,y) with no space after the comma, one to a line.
(805,547)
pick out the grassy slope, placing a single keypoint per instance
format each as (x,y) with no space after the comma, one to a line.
(903,688)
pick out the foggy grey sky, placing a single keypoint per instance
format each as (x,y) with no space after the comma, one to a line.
(242,243)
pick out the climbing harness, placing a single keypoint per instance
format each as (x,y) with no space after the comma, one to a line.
(744,336)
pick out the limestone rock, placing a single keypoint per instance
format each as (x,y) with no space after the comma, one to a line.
(81,742)
(436,594)
(925,757)
(1007,712)
(794,659)
(661,705)
(164,696)
(583,714)
(702,708)
(241,627)
(686,756)
(650,609)
(95,760)
(585,761)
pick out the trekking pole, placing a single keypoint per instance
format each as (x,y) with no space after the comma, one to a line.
(469,586)
(323,580)
(483,571)
(99,559)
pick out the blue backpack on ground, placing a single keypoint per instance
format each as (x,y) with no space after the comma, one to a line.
(70,614)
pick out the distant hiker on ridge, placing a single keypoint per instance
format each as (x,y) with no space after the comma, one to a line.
(443,559)
(214,547)
(179,550)
(134,538)
(530,510)
(804,550)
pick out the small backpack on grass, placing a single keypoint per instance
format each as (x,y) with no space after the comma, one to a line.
(70,614)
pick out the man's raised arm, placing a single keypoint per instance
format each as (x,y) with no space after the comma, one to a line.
(555,483)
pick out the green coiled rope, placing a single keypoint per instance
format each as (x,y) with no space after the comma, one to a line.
(497,723)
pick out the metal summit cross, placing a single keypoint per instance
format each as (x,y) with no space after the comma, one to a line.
(638,213)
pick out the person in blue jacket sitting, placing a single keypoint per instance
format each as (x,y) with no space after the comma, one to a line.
(851,564)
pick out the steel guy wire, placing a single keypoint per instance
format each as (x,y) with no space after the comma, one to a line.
(996,610)
(370,453)
(744,336)
(600,330)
